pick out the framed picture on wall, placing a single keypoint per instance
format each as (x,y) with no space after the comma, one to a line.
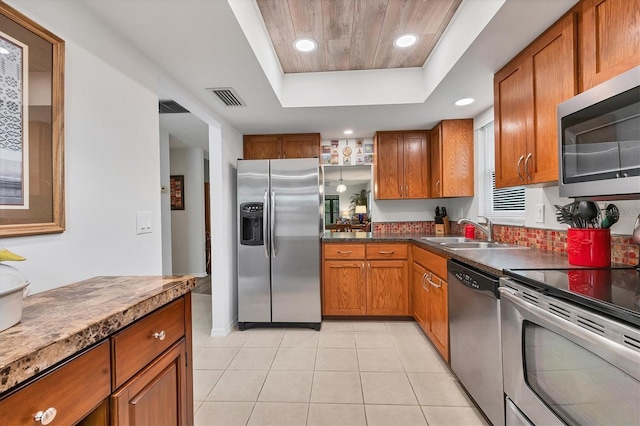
(177,192)
(31,128)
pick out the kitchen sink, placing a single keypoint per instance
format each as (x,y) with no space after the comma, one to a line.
(464,245)
(442,240)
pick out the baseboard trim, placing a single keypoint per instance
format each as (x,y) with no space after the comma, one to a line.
(221,332)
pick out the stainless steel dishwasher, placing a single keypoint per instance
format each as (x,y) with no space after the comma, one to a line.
(474,337)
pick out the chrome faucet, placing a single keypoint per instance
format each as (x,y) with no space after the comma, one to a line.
(487,228)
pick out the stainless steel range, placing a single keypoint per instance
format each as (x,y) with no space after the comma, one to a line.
(571,347)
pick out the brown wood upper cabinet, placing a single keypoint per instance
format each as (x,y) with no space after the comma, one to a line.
(526,93)
(400,165)
(263,147)
(451,159)
(609,39)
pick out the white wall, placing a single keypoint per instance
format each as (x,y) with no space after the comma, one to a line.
(165,203)
(187,226)
(112,162)
(225,147)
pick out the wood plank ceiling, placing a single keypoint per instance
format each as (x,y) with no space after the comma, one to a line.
(354,34)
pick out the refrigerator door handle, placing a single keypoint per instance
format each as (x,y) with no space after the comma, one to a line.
(265,221)
(272,218)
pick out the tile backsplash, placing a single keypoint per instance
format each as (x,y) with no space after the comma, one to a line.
(623,249)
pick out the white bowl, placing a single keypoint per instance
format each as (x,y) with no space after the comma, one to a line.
(13,289)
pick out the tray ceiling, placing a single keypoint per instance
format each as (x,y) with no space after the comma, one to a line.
(354,34)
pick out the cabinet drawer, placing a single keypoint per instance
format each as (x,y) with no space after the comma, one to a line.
(344,251)
(432,261)
(74,389)
(139,344)
(387,251)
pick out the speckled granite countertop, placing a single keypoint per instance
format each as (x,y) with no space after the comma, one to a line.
(61,322)
(492,261)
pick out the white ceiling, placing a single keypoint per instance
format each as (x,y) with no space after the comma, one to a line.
(200,44)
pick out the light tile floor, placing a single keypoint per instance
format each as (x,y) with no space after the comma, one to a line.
(348,373)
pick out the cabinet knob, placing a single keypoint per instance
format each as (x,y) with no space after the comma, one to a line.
(45,417)
(159,336)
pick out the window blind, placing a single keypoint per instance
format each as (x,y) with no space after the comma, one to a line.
(493,202)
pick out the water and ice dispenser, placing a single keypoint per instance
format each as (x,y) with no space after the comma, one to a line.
(251,217)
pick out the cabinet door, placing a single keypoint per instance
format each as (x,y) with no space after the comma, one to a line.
(387,287)
(156,395)
(438,314)
(344,291)
(388,166)
(512,108)
(457,158)
(415,165)
(609,42)
(261,147)
(420,295)
(435,163)
(554,74)
(301,146)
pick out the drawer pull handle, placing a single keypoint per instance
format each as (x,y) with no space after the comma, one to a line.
(45,417)
(345,251)
(430,277)
(387,252)
(159,336)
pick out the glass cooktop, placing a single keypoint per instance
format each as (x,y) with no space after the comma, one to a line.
(613,291)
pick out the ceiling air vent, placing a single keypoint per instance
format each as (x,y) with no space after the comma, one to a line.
(227,96)
(167,106)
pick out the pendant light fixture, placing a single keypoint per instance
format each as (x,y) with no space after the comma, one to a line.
(341,186)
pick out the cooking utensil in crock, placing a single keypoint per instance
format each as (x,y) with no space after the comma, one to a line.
(588,212)
(13,289)
(564,215)
(611,216)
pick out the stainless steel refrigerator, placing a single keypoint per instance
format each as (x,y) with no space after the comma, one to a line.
(280,223)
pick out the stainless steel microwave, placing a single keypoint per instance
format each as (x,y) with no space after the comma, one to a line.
(599,141)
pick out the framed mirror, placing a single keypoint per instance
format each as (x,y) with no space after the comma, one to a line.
(31,127)
(338,204)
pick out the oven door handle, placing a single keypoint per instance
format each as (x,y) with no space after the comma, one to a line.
(616,353)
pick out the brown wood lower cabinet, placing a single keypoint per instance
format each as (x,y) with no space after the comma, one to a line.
(142,375)
(365,279)
(430,297)
(156,395)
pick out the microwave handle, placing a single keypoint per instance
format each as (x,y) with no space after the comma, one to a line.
(518,167)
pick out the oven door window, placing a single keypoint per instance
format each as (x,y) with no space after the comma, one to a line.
(578,386)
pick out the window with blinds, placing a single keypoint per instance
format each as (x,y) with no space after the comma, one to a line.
(501,203)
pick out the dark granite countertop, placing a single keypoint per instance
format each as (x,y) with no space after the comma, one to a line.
(60,322)
(491,261)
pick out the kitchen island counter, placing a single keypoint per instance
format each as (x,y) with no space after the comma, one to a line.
(59,323)
(493,261)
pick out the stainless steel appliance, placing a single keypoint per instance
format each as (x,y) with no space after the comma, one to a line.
(280,222)
(571,346)
(474,337)
(599,140)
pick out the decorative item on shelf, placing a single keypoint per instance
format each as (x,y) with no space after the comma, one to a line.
(341,186)
(361,211)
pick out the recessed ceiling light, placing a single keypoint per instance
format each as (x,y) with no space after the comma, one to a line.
(348,132)
(464,101)
(305,44)
(405,40)
(4,51)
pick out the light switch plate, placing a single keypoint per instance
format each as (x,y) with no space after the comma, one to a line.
(539,209)
(143,223)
